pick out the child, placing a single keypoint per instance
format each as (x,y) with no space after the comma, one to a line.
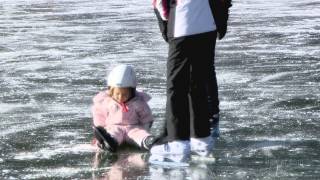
(121,114)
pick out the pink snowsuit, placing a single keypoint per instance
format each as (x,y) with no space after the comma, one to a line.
(124,122)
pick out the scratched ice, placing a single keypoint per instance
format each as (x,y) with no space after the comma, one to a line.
(54,56)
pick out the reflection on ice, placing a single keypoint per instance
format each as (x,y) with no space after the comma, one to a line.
(126,165)
(122,166)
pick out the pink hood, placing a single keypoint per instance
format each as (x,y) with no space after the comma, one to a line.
(106,111)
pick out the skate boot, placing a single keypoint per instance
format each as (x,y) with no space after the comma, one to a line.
(106,142)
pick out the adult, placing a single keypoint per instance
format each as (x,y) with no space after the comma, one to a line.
(191,28)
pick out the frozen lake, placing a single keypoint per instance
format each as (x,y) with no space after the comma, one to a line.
(54,56)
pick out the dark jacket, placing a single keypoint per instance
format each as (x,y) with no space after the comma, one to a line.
(165,11)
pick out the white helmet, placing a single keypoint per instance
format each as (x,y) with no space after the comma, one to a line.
(122,76)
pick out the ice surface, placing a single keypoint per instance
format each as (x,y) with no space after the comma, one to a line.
(55,54)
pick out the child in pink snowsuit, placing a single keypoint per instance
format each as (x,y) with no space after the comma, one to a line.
(121,114)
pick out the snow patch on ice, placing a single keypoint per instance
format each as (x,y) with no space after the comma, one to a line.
(274,76)
(48,153)
(66,134)
(62,172)
(232,77)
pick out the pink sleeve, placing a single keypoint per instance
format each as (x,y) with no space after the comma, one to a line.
(98,116)
(99,113)
(145,113)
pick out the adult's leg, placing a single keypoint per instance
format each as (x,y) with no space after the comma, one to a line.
(201,60)
(175,146)
(213,98)
(178,78)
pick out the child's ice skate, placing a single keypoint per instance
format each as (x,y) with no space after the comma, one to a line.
(148,142)
(106,142)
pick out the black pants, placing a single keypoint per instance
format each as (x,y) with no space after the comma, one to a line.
(213,97)
(189,71)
